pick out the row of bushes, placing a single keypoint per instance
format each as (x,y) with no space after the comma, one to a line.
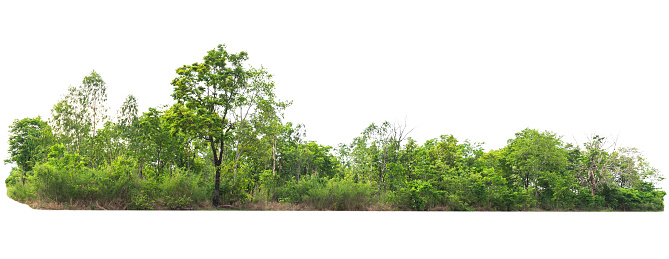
(65,180)
(421,195)
(328,194)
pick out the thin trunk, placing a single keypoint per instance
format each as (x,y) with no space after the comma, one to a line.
(307,167)
(234,172)
(217,185)
(592,187)
(299,167)
(274,157)
(234,166)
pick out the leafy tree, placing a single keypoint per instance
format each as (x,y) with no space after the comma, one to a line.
(531,153)
(92,96)
(631,169)
(161,149)
(68,123)
(597,163)
(378,151)
(29,142)
(127,119)
(77,116)
(216,99)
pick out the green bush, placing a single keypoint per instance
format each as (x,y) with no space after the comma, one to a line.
(65,179)
(630,199)
(233,192)
(339,194)
(118,180)
(174,202)
(294,192)
(14,177)
(180,190)
(61,184)
(140,201)
(416,195)
(20,192)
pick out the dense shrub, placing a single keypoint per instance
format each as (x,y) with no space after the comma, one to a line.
(327,194)
(632,199)
(64,178)
(179,190)
(416,195)
(340,194)
(294,192)
(21,192)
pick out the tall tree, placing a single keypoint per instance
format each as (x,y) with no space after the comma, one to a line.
(385,143)
(127,117)
(77,116)
(68,122)
(598,163)
(92,96)
(215,99)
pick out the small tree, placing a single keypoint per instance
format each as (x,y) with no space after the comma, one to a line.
(29,143)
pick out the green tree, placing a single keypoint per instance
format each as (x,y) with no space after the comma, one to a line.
(68,123)
(29,142)
(384,150)
(92,96)
(77,116)
(127,119)
(161,149)
(597,163)
(532,154)
(216,99)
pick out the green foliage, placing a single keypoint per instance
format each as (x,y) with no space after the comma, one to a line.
(140,201)
(295,192)
(180,191)
(61,184)
(328,194)
(77,117)
(14,177)
(632,199)
(29,141)
(416,195)
(223,140)
(223,103)
(21,192)
(340,194)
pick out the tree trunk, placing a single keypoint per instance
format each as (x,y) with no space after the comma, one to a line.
(217,185)
(274,157)
(234,172)
(592,191)
(299,166)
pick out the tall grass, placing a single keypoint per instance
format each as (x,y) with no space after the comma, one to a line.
(115,186)
(329,194)
(338,194)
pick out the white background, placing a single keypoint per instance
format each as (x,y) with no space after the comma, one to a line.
(480,70)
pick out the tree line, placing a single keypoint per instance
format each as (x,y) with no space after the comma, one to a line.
(223,143)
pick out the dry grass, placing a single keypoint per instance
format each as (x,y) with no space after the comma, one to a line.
(286,206)
(118,204)
(279,206)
